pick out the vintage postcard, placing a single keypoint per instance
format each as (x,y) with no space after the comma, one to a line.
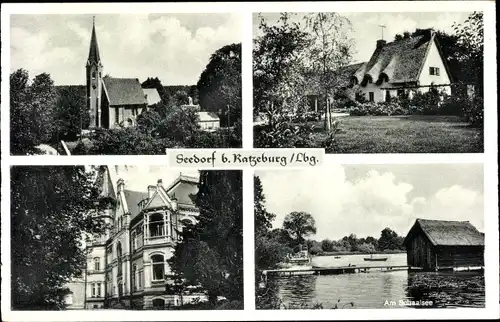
(237,161)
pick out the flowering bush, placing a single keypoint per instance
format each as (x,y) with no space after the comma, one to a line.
(378,109)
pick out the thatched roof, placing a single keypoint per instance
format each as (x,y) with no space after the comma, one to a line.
(399,61)
(447,233)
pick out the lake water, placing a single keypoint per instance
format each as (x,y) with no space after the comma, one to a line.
(375,289)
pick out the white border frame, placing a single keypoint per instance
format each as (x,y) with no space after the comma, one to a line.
(489,158)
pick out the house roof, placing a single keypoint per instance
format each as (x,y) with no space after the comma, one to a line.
(124,91)
(151,95)
(401,61)
(133,199)
(208,116)
(447,233)
(182,189)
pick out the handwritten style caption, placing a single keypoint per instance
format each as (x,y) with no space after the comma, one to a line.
(239,159)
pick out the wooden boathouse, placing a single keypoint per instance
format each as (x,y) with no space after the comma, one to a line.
(436,245)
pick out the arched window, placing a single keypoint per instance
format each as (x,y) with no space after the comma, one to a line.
(97,263)
(158,265)
(158,303)
(119,257)
(93,75)
(156,225)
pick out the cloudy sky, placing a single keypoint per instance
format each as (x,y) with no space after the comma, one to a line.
(173,47)
(138,178)
(366,30)
(364,199)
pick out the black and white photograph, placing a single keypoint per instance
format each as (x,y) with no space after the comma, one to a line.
(369,82)
(370,236)
(125,237)
(121,84)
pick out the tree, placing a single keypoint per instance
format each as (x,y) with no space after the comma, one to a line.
(388,240)
(277,65)
(299,225)
(219,85)
(180,124)
(52,209)
(180,97)
(151,82)
(366,248)
(471,40)
(71,113)
(327,245)
(263,219)
(330,49)
(211,252)
(32,111)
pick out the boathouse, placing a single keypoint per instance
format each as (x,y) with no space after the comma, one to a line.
(444,245)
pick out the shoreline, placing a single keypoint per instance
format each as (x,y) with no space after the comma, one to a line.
(359,253)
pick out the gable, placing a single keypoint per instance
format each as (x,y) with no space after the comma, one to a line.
(434,59)
(183,191)
(123,91)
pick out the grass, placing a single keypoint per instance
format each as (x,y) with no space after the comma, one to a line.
(404,134)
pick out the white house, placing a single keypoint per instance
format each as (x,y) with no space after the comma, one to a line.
(208,121)
(397,67)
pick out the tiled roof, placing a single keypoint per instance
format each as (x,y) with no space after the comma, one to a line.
(124,91)
(208,116)
(448,233)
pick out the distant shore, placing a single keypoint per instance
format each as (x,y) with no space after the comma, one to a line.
(361,253)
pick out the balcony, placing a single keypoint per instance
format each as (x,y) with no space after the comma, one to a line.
(154,240)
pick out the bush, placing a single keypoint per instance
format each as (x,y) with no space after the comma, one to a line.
(378,109)
(283,135)
(474,112)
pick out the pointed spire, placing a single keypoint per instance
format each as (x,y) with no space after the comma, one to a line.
(94,57)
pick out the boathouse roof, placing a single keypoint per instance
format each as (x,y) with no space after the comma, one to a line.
(447,233)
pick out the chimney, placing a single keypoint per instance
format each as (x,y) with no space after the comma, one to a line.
(381,43)
(160,183)
(151,191)
(120,185)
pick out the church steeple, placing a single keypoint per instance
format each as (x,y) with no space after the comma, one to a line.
(94,57)
(94,81)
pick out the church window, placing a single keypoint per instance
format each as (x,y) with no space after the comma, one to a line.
(97,263)
(100,75)
(156,225)
(119,257)
(93,75)
(158,267)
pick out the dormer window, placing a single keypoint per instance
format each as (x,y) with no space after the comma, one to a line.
(434,71)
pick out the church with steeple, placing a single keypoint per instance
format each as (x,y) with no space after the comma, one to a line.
(113,102)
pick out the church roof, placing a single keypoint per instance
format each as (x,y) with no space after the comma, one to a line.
(94,49)
(151,95)
(124,91)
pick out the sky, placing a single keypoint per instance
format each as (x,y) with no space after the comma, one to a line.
(364,199)
(366,30)
(173,47)
(138,178)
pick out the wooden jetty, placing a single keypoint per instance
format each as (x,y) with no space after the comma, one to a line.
(336,270)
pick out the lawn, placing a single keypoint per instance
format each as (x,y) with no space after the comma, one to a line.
(405,134)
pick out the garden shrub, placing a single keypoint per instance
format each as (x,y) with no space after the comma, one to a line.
(474,112)
(282,134)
